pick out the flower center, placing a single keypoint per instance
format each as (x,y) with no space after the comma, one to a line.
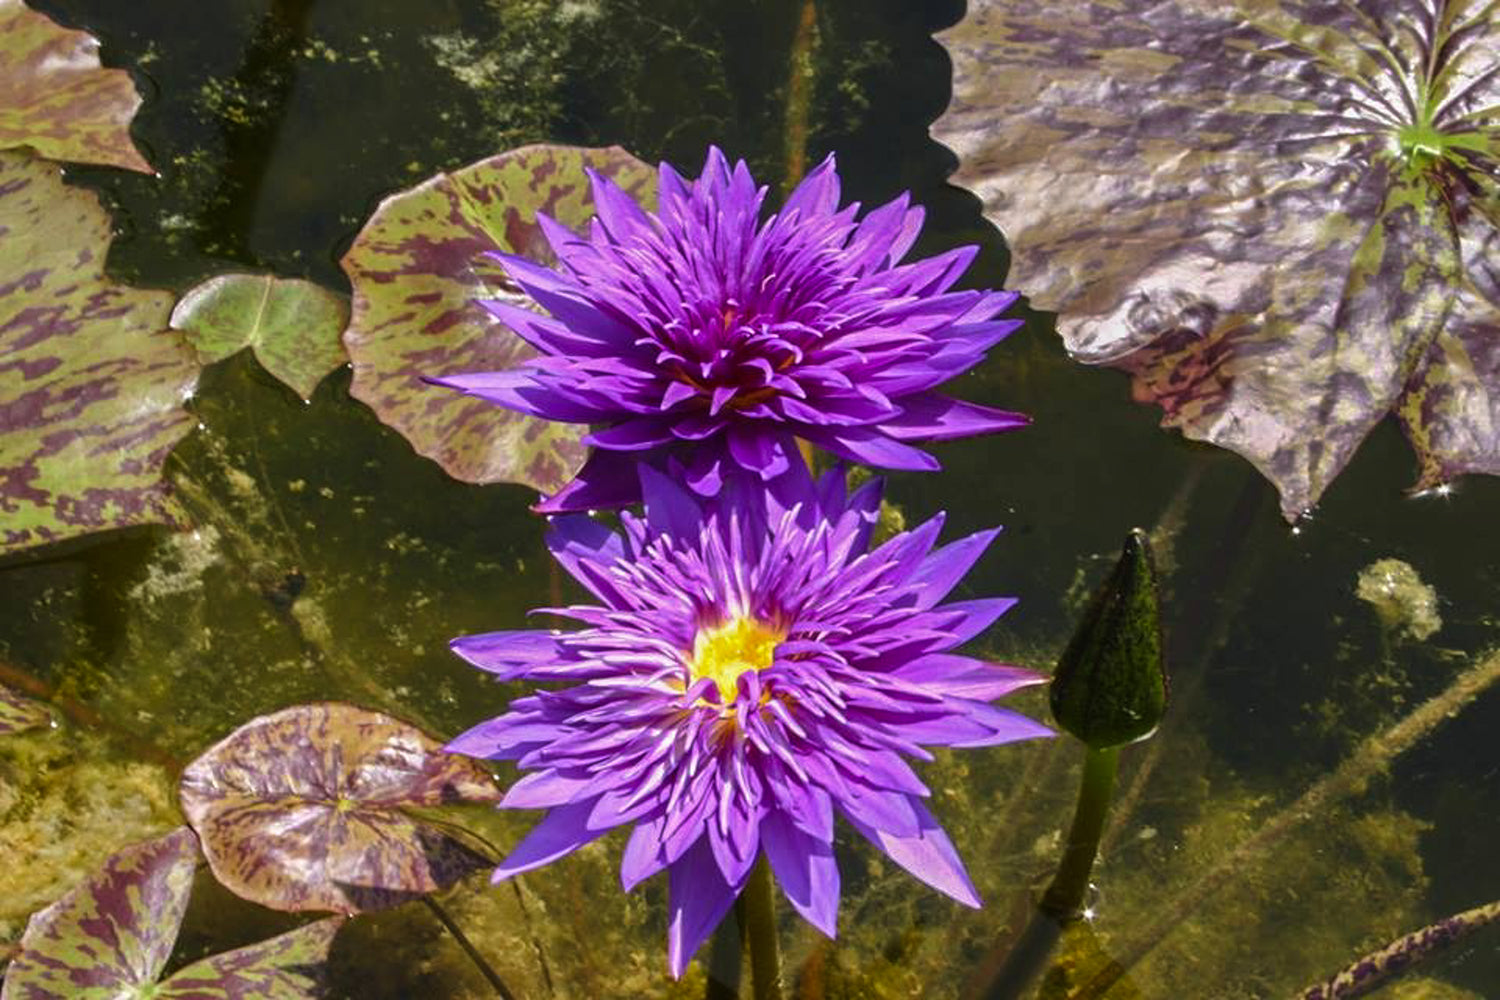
(725,652)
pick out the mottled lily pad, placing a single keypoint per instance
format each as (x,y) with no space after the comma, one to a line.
(1278,215)
(91,381)
(57,99)
(110,937)
(293,326)
(416,268)
(306,809)
(18,714)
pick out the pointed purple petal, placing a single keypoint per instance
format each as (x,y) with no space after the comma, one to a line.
(934,417)
(562,831)
(586,549)
(698,898)
(975,616)
(929,855)
(966,677)
(943,568)
(607,480)
(806,870)
(870,447)
(508,655)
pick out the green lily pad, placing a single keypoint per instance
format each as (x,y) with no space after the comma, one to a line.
(307,809)
(91,381)
(292,326)
(57,99)
(1278,215)
(417,267)
(18,714)
(110,937)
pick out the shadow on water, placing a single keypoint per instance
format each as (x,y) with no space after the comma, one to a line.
(266,79)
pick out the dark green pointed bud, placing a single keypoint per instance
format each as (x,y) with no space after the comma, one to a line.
(1110,686)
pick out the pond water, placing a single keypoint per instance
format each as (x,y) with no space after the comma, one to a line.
(329,561)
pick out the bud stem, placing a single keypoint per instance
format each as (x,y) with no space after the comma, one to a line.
(1064,897)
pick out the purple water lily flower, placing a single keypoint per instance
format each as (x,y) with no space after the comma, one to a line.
(704,331)
(749,672)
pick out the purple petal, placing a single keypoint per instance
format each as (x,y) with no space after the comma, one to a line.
(943,568)
(818,192)
(642,857)
(521,390)
(508,655)
(806,870)
(935,417)
(633,435)
(966,677)
(870,447)
(670,509)
(545,789)
(562,831)
(586,549)
(975,616)
(760,450)
(607,480)
(929,855)
(697,899)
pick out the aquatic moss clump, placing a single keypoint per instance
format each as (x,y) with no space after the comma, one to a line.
(66,804)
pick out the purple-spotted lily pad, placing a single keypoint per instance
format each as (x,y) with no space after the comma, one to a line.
(110,937)
(307,809)
(293,326)
(1279,216)
(57,99)
(417,267)
(91,381)
(18,714)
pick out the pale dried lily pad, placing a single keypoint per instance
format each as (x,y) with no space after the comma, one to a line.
(307,809)
(57,99)
(91,381)
(417,267)
(110,938)
(1278,215)
(292,326)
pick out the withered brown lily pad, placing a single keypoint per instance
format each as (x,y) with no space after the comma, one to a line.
(417,267)
(91,381)
(57,99)
(1279,216)
(307,809)
(292,326)
(110,937)
(19,714)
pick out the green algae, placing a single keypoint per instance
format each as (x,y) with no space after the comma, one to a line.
(66,803)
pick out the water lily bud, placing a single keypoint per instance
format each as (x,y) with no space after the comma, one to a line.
(1110,686)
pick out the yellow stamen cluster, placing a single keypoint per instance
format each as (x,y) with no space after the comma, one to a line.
(728,650)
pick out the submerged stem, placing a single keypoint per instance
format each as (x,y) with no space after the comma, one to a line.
(799,93)
(463,942)
(760,929)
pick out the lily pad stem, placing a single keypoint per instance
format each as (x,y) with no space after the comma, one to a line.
(463,942)
(759,916)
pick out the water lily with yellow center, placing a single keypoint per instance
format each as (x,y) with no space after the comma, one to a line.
(751,670)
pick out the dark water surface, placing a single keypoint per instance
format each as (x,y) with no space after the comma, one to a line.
(331,562)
